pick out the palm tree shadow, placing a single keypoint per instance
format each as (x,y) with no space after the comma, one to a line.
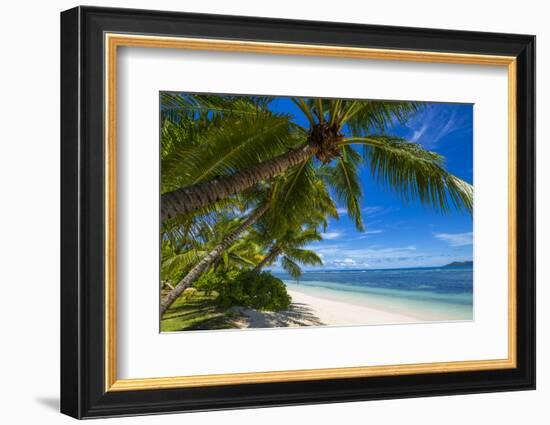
(298,314)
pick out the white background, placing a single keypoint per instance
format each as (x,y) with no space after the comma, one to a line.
(29,224)
(144,72)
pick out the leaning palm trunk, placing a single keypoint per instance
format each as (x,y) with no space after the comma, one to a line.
(272,255)
(210,258)
(190,198)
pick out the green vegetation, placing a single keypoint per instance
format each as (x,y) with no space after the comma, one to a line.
(261,291)
(207,304)
(243,187)
(289,247)
(196,312)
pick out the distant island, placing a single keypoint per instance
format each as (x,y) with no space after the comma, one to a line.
(459,263)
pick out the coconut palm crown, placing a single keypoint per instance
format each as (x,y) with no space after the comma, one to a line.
(289,248)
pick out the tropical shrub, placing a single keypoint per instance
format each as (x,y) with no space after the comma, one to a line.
(261,291)
(214,281)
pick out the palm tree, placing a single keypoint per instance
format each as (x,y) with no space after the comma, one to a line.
(290,249)
(183,248)
(300,196)
(209,259)
(261,147)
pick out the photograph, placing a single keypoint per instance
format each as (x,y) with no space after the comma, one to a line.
(283,211)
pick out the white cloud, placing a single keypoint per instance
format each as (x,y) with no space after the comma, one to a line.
(342,211)
(417,134)
(456,239)
(367,233)
(360,255)
(377,211)
(428,127)
(372,210)
(331,235)
(347,262)
(372,232)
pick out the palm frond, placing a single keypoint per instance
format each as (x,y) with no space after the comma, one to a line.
(414,172)
(299,197)
(304,237)
(177,106)
(189,229)
(367,117)
(335,110)
(304,256)
(181,261)
(343,179)
(305,108)
(242,261)
(291,267)
(240,142)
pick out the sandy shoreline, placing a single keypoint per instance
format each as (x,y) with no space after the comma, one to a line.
(308,310)
(332,312)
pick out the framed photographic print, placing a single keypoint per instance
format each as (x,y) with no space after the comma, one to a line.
(261,212)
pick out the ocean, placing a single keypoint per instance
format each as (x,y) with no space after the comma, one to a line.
(427,294)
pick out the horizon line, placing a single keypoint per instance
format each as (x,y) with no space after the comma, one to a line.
(375,269)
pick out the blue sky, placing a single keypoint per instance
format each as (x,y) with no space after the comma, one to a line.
(404,235)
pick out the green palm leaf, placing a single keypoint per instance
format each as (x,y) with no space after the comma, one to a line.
(291,267)
(367,117)
(414,173)
(304,237)
(343,179)
(176,106)
(181,261)
(298,196)
(304,256)
(210,151)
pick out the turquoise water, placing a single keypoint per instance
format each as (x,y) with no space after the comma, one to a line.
(434,293)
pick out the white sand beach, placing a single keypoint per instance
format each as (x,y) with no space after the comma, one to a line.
(309,310)
(332,312)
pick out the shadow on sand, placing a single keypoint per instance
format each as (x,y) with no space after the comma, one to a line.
(297,315)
